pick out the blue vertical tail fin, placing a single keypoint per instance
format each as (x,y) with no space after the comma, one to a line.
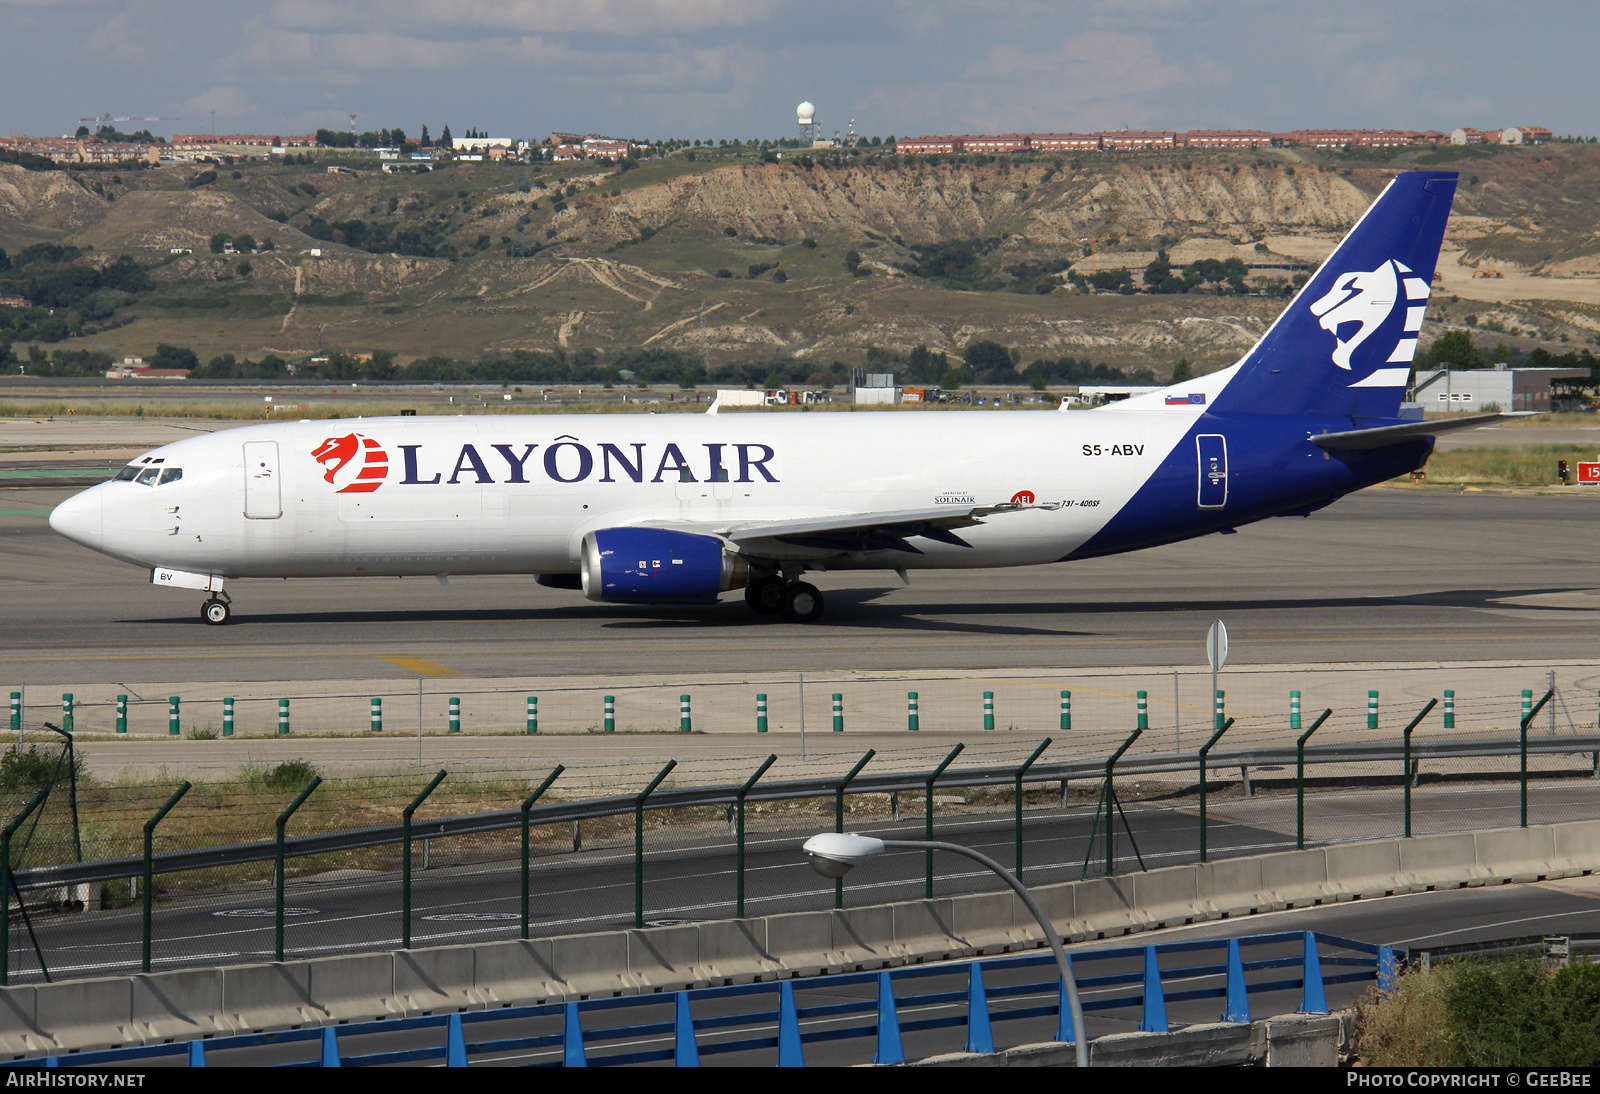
(1343,347)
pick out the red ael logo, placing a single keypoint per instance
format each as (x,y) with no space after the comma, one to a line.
(1022,497)
(337,455)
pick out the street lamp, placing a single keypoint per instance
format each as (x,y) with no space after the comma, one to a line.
(835,854)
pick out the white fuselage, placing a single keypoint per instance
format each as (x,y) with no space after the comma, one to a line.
(464,495)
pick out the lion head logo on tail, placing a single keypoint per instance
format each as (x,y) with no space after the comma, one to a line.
(338,457)
(1360,297)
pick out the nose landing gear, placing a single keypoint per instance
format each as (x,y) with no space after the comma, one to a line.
(217,610)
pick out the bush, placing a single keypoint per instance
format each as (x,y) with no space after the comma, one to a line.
(289,775)
(1510,1013)
(35,768)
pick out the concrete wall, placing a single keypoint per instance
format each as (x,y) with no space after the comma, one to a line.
(133,1010)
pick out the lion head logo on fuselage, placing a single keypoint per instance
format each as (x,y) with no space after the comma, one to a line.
(337,455)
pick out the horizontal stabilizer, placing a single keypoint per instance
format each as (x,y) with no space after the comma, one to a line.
(1385,435)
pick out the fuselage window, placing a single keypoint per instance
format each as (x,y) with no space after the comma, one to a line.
(171,474)
(149,476)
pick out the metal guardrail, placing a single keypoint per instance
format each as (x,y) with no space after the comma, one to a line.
(726,794)
(763,1017)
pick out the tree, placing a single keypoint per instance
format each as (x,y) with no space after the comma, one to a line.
(426,141)
(167,356)
(983,357)
(852,262)
(1453,350)
(1182,371)
(219,241)
(444,138)
(1158,272)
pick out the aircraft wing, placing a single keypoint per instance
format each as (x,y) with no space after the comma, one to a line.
(1385,435)
(890,530)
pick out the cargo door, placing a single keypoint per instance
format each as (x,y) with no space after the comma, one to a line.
(262,497)
(1213,454)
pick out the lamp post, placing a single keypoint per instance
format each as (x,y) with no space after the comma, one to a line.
(834,854)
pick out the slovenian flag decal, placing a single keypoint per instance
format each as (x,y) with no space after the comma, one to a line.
(1195,399)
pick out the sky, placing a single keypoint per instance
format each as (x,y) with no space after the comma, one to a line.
(722,69)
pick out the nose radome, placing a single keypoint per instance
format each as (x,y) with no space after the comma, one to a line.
(79,518)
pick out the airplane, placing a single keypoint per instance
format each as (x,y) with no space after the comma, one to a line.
(670,509)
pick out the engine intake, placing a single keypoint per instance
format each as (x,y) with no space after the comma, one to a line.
(658,566)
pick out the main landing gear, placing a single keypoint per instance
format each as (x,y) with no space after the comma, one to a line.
(217,610)
(795,601)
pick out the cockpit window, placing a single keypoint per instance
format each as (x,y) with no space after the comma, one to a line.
(127,474)
(149,476)
(171,474)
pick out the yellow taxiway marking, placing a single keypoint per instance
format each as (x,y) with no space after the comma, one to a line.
(421,666)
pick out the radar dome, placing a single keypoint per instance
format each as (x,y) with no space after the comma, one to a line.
(806,112)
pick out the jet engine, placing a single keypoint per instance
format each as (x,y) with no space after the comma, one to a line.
(658,566)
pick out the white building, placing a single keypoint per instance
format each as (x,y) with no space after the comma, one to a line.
(1485,389)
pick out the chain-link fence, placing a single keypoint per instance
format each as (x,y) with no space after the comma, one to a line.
(718,833)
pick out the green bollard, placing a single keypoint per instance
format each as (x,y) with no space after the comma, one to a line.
(988,710)
(533,714)
(1144,709)
(66,712)
(455,714)
(1221,709)
(173,726)
(838,712)
(1372,710)
(1449,709)
(16,712)
(761,713)
(611,713)
(1066,710)
(913,719)
(283,717)
(377,714)
(684,723)
(122,714)
(227,717)
(1294,710)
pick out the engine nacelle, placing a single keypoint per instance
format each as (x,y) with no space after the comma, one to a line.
(658,566)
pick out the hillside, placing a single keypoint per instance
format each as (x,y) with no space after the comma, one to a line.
(744,260)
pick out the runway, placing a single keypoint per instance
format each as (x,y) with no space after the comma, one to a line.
(1390,574)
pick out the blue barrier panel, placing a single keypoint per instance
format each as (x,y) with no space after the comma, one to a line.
(1388,969)
(790,1054)
(572,1040)
(1313,999)
(1291,961)
(979,1037)
(685,1053)
(1155,1004)
(455,1044)
(1238,1006)
(1064,1031)
(330,1048)
(890,1050)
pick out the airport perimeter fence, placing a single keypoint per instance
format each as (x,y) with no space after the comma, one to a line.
(1093,705)
(164,876)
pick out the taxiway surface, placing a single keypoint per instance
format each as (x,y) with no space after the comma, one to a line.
(1389,574)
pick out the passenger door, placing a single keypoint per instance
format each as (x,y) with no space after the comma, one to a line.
(262,496)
